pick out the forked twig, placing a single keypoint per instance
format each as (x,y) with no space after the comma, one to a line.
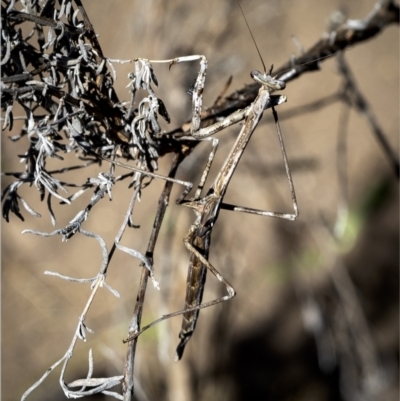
(354,96)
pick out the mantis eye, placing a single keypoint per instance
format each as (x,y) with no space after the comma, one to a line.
(255,74)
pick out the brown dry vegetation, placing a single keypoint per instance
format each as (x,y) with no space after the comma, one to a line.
(255,346)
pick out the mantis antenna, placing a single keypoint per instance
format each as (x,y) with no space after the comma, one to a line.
(252,36)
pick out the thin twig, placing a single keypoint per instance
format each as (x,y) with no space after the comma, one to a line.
(353,94)
(128,382)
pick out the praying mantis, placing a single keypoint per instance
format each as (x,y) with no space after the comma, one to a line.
(207,208)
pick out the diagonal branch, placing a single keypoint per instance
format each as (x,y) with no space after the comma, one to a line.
(351,33)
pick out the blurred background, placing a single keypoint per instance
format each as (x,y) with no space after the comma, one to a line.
(315,317)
